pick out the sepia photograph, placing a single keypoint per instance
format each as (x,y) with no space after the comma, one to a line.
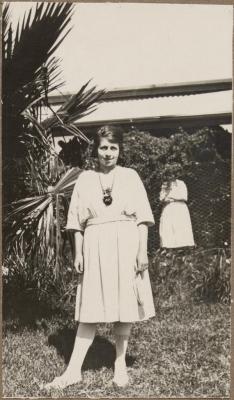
(116,199)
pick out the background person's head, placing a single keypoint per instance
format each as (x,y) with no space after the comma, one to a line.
(172,171)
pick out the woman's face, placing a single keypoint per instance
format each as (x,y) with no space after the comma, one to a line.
(108,153)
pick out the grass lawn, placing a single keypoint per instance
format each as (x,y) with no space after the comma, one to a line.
(183,352)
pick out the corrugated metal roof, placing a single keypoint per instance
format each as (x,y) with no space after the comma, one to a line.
(165,111)
(165,121)
(209,103)
(152,91)
(203,104)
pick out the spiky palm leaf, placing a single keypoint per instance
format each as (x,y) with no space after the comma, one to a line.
(32,224)
(32,221)
(35,41)
(30,74)
(6,28)
(77,106)
(81,104)
(29,71)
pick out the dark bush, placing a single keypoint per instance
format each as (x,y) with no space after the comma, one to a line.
(191,275)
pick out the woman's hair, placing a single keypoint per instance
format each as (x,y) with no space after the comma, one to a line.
(171,172)
(113,133)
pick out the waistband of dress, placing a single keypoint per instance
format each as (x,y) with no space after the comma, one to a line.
(174,201)
(107,219)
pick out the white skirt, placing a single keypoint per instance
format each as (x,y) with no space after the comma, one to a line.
(109,291)
(175,228)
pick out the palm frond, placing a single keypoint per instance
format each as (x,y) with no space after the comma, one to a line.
(72,110)
(67,182)
(7,40)
(27,58)
(43,141)
(30,207)
(5,18)
(35,93)
(76,107)
(32,220)
(29,70)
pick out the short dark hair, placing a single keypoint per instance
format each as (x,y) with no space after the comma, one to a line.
(113,133)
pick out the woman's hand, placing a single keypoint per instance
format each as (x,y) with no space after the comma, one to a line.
(142,256)
(142,262)
(79,263)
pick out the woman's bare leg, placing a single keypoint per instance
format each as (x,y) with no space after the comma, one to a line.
(122,333)
(84,339)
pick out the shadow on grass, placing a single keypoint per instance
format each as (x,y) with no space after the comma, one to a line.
(100,354)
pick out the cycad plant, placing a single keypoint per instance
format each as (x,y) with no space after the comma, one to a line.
(29,69)
(30,73)
(37,183)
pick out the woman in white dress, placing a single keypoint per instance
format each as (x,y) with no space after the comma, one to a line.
(175,228)
(109,214)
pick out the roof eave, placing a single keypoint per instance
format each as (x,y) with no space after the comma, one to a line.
(165,90)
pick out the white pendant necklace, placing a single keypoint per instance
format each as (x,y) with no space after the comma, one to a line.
(107,197)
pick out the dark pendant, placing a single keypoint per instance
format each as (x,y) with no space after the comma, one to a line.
(107,199)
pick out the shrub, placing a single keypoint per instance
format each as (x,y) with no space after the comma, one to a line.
(32,291)
(191,275)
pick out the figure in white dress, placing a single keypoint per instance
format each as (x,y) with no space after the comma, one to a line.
(109,214)
(175,228)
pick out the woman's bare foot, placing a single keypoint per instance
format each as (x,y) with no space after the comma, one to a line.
(61,382)
(121,378)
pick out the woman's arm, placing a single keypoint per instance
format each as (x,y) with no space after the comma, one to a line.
(163,192)
(78,258)
(142,256)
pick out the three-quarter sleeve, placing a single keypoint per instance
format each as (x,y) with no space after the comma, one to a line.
(76,218)
(143,210)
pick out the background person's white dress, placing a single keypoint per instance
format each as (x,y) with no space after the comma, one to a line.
(107,292)
(175,228)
